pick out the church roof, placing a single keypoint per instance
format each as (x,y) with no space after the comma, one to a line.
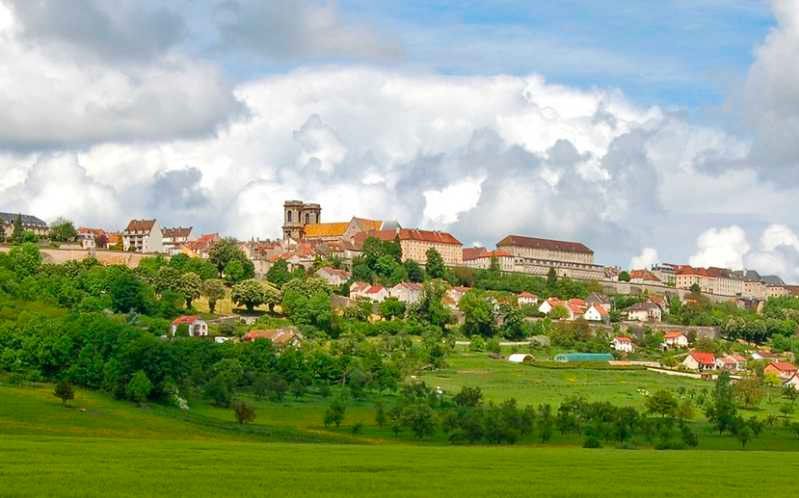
(325,229)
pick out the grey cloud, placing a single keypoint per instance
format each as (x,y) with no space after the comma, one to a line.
(178,190)
(292,29)
(110,30)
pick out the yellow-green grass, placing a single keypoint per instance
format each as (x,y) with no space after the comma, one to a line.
(35,466)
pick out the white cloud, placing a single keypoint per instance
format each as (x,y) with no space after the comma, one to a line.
(442,207)
(721,247)
(647,258)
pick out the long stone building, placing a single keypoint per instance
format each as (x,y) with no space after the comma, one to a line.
(537,256)
(29,223)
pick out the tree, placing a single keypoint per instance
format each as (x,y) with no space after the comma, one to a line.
(166,278)
(25,259)
(234,271)
(392,308)
(662,403)
(624,276)
(63,391)
(552,279)
(190,286)
(214,290)
(695,288)
(435,264)
(127,292)
(749,391)
(18,236)
(249,293)
(278,273)
(419,418)
(721,410)
(335,413)
(139,387)
(62,230)
(380,414)
(414,270)
(222,252)
(244,412)
(478,315)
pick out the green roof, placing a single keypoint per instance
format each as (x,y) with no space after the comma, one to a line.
(584,357)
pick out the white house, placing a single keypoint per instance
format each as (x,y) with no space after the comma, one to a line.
(644,312)
(734,362)
(596,313)
(333,276)
(142,236)
(793,382)
(698,360)
(407,292)
(174,238)
(526,299)
(674,339)
(197,327)
(376,293)
(550,304)
(622,344)
(520,358)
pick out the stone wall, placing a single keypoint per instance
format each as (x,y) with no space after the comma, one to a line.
(62,255)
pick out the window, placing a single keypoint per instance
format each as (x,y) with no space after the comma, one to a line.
(307,218)
(288,216)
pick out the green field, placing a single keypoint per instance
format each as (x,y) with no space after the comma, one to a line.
(103,447)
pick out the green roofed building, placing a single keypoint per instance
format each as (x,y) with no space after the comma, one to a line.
(567,357)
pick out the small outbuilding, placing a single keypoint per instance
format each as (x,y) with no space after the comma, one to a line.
(520,358)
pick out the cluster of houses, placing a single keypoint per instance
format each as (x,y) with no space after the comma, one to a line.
(194,326)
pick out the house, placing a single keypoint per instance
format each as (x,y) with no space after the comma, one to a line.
(407,292)
(526,299)
(576,308)
(29,223)
(202,246)
(674,339)
(455,294)
(196,326)
(782,369)
(287,336)
(174,238)
(622,344)
(92,238)
(142,236)
(596,313)
(520,358)
(793,382)
(333,276)
(644,312)
(597,298)
(732,362)
(643,277)
(375,292)
(550,304)
(659,301)
(698,360)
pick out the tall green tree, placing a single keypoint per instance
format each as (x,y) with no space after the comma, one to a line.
(139,387)
(435,264)
(278,273)
(414,270)
(214,290)
(18,236)
(721,410)
(249,293)
(63,230)
(190,286)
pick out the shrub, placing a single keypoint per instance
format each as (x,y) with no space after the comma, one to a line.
(245,412)
(592,442)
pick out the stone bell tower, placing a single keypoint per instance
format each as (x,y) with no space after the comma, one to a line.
(297,214)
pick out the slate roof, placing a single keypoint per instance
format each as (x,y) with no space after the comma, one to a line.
(27,219)
(536,243)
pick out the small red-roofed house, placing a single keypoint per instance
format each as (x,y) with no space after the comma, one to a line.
(526,299)
(674,339)
(782,369)
(196,326)
(596,313)
(622,344)
(698,360)
(286,336)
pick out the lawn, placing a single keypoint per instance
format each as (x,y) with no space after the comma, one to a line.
(500,380)
(54,466)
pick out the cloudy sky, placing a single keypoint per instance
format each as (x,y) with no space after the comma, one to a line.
(651,131)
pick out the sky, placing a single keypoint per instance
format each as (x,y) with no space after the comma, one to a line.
(651,131)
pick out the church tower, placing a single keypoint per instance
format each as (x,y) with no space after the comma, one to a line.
(297,214)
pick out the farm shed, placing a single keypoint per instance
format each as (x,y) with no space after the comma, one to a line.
(569,357)
(520,358)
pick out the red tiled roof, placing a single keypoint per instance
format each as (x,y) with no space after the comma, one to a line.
(203,242)
(643,275)
(674,334)
(94,231)
(413,286)
(600,309)
(536,243)
(528,295)
(359,286)
(176,232)
(470,253)
(623,338)
(704,358)
(577,306)
(434,237)
(185,319)
(140,225)
(783,366)
(374,289)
